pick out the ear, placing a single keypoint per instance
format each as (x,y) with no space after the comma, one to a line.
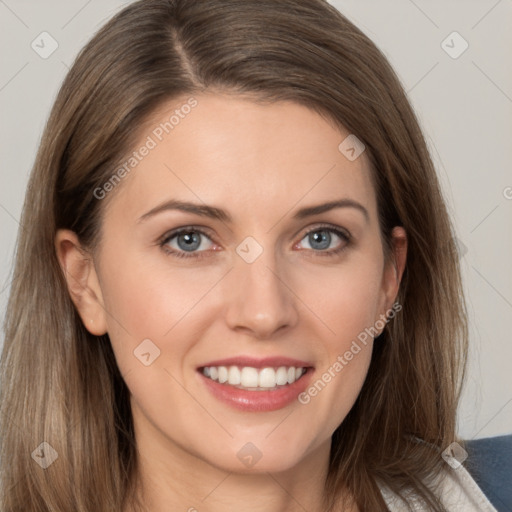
(393,270)
(82,280)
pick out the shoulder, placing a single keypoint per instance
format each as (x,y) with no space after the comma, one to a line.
(456,489)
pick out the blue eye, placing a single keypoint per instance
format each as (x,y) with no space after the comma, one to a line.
(188,242)
(322,237)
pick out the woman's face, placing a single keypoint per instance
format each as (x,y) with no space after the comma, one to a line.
(258,289)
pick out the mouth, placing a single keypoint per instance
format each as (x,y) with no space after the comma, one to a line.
(254,379)
(256,385)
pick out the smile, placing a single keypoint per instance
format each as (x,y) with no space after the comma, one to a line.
(254,379)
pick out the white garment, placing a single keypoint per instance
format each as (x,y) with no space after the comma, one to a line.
(457,490)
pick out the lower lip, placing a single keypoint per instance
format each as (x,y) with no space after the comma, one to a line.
(257,401)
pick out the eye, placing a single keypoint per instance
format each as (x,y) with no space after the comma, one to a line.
(321,238)
(192,242)
(186,240)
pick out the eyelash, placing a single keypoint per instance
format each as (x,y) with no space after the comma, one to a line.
(201,254)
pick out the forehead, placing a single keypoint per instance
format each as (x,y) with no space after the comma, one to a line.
(230,151)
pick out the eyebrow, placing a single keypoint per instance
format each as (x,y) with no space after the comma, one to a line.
(222,215)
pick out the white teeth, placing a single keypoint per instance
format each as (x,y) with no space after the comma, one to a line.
(234,376)
(254,378)
(249,377)
(223,374)
(267,378)
(282,376)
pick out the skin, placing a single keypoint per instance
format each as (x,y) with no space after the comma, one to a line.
(261,163)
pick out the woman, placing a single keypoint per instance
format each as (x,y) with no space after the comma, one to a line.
(236,283)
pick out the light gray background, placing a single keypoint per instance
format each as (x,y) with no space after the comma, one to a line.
(464,104)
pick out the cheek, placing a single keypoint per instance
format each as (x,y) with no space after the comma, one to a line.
(346,302)
(160,303)
(148,299)
(149,312)
(346,298)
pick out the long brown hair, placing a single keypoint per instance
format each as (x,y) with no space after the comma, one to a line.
(61,385)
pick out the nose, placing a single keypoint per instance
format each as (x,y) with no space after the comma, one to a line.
(261,301)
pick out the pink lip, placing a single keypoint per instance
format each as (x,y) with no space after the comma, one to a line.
(257,401)
(267,362)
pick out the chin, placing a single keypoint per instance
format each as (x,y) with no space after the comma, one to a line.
(258,456)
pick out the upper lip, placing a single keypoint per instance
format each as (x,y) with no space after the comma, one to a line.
(253,362)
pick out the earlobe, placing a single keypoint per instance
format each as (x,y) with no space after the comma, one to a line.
(82,281)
